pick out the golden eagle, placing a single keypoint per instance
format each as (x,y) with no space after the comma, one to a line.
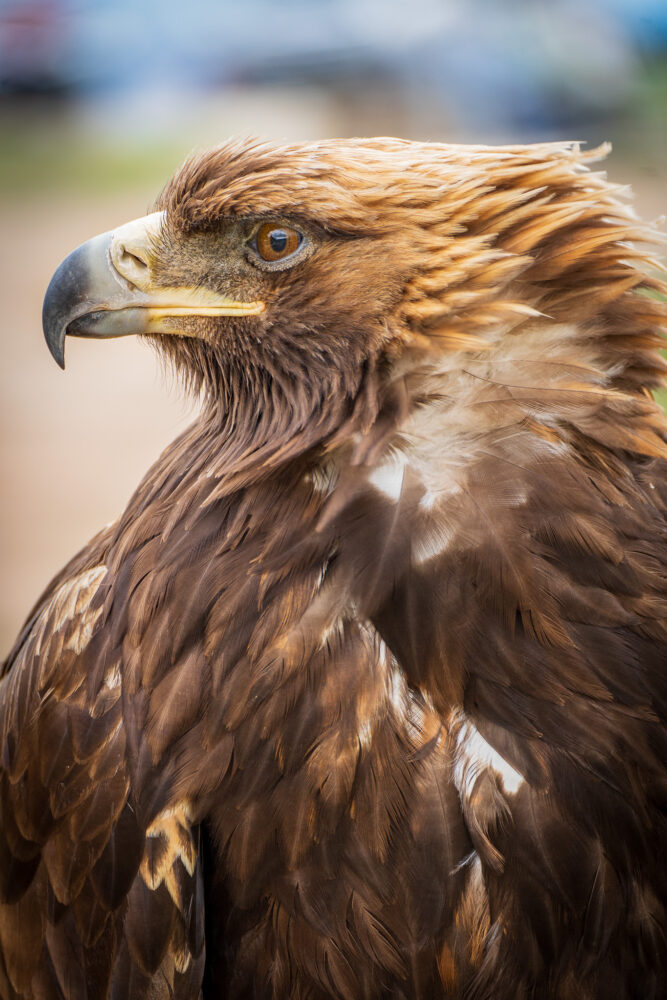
(363,694)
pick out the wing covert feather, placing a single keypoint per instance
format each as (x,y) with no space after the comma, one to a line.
(82,914)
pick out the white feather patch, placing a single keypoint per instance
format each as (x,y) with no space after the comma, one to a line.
(474,755)
(388,477)
(112,677)
(433,542)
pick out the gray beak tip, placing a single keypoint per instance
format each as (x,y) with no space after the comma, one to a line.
(52,323)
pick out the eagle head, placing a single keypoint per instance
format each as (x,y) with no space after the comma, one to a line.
(284,261)
(295,284)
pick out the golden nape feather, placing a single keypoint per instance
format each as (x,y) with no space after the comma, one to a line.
(363,695)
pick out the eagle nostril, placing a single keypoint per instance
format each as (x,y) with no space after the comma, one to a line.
(133,259)
(131,264)
(132,250)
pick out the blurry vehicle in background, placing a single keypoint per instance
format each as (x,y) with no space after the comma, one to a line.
(35,48)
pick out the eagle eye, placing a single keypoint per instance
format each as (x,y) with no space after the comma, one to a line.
(276,243)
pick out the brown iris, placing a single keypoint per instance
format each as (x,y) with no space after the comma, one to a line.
(276,242)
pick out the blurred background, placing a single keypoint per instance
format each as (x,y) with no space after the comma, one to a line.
(100,100)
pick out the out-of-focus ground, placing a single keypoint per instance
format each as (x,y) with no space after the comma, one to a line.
(76,443)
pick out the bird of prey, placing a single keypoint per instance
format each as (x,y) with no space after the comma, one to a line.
(363,695)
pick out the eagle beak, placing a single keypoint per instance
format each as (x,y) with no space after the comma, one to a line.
(105,289)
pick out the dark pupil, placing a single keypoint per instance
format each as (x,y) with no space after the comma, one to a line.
(278,240)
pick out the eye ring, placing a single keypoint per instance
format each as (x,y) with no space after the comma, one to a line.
(275,243)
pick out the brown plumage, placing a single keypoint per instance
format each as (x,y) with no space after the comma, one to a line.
(363,695)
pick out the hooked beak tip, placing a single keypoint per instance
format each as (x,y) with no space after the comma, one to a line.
(54,327)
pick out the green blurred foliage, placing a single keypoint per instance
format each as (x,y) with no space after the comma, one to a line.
(60,157)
